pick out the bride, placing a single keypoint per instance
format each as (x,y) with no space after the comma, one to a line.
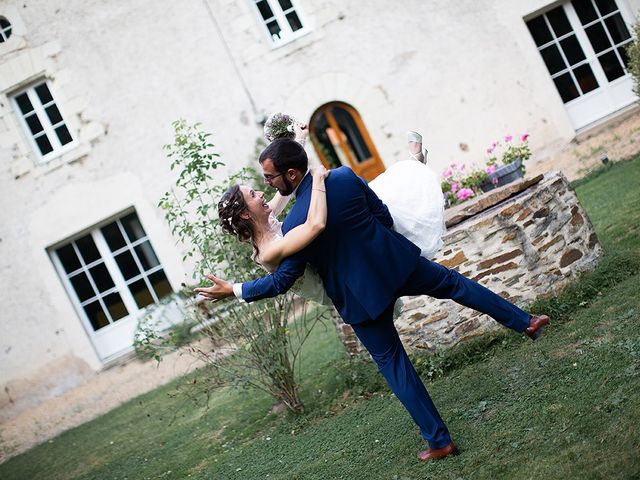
(409,188)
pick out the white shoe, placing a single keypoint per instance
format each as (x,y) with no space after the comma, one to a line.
(415,147)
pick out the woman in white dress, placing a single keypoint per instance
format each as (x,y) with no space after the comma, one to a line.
(409,188)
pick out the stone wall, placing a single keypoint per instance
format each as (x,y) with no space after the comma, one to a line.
(524,240)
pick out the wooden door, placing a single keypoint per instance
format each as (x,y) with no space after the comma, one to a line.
(340,138)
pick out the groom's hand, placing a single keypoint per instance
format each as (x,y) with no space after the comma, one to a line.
(221,289)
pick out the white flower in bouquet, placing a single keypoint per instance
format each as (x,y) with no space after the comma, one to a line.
(279,125)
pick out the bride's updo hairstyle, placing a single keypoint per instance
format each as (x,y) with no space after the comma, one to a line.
(230,206)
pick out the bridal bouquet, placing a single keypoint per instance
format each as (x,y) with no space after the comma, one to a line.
(279,125)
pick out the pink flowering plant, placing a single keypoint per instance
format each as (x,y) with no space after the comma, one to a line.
(509,150)
(460,184)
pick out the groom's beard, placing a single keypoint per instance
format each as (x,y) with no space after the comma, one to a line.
(288,187)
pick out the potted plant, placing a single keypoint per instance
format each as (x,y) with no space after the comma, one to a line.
(506,161)
(459,184)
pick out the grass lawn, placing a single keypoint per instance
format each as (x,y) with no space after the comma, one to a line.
(566,406)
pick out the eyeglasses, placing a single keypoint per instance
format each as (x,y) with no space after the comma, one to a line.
(269,178)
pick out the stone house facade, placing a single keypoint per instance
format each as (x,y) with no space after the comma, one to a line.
(88,92)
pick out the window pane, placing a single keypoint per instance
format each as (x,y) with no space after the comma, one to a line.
(611,65)
(24,103)
(127,265)
(285,4)
(88,249)
(43,93)
(585,10)
(553,59)
(116,306)
(585,77)
(265,9)
(617,28)
(160,284)
(294,21)
(96,315)
(274,29)
(146,255)
(559,21)
(606,6)
(572,50)
(82,287)
(323,142)
(113,236)
(141,293)
(63,134)
(54,114)
(34,124)
(598,37)
(44,145)
(354,140)
(101,277)
(68,258)
(566,87)
(5,34)
(539,31)
(132,227)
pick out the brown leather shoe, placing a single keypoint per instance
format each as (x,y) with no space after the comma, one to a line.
(435,453)
(536,325)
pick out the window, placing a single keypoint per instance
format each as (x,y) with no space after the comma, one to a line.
(607,33)
(112,271)
(562,54)
(340,137)
(281,19)
(42,120)
(578,66)
(5,29)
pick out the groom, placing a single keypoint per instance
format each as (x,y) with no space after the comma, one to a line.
(365,267)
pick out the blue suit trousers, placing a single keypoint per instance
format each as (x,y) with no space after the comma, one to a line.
(381,339)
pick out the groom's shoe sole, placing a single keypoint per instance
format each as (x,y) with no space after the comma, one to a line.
(536,326)
(437,453)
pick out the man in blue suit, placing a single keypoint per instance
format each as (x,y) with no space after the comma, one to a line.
(365,267)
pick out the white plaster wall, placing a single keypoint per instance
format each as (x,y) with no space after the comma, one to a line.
(464,73)
(132,68)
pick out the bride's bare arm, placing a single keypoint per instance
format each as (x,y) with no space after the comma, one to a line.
(278,202)
(302,235)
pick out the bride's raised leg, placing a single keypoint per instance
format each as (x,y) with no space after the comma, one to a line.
(415,147)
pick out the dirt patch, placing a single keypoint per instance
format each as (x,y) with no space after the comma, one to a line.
(618,140)
(101,393)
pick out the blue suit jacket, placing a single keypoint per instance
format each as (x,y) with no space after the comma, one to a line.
(361,260)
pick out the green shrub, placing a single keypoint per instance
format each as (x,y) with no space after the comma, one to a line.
(633,51)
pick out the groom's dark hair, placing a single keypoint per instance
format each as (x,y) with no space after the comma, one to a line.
(285,154)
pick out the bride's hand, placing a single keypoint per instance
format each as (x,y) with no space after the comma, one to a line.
(319,172)
(301,130)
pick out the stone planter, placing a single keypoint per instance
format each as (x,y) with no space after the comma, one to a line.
(503,175)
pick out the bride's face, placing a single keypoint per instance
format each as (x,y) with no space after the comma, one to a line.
(256,203)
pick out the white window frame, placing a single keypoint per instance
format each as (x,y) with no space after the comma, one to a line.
(121,286)
(286,34)
(49,128)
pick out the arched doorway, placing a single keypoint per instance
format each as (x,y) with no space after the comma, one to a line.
(340,138)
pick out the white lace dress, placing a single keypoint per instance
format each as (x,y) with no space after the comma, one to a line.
(412,192)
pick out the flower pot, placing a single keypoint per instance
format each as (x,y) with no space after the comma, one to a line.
(503,175)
